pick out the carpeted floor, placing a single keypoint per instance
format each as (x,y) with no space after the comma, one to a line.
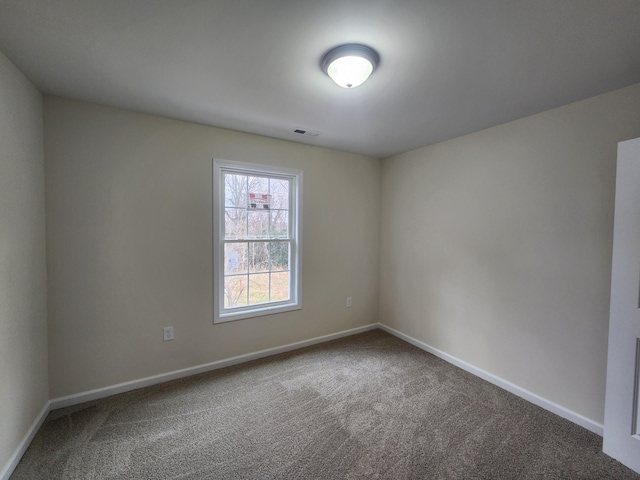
(368,406)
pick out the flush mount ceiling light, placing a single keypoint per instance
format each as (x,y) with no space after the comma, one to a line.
(350,65)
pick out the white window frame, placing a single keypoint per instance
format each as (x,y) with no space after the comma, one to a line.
(220,313)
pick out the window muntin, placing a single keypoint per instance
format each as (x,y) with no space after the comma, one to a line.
(256,240)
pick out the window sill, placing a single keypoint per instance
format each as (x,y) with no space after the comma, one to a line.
(256,312)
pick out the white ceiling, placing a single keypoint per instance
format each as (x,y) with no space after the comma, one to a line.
(448,67)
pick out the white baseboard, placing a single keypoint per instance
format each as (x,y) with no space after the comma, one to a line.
(15,457)
(552,407)
(69,400)
(78,398)
(75,399)
(559,410)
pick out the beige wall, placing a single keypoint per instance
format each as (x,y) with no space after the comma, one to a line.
(23,310)
(496,247)
(129,244)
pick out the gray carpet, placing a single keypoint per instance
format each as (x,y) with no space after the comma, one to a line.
(368,406)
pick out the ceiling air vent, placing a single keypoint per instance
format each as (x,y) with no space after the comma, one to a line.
(308,133)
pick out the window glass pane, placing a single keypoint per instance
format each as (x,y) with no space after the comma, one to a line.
(235,223)
(235,190)
(235,291)
(258,224)
(258,288)
(258,185)
(279,224)
(279,189)
(235,258)
(279,254)
(258,257)
(279,286)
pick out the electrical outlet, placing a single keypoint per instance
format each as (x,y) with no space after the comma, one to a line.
(349,303)
(168,333)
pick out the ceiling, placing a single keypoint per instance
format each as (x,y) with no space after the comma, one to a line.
(447,67)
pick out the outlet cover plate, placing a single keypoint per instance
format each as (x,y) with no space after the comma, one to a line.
(168,333)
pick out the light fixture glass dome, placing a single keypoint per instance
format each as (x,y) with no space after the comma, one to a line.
(350,65)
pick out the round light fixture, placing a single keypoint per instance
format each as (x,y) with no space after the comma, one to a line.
(350,65)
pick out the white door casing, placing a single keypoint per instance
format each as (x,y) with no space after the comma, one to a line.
(622,405)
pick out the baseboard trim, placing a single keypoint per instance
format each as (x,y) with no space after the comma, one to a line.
(559,410)
(82,397)
(15,457)
(98,393)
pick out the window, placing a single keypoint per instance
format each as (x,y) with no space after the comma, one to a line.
(256,240)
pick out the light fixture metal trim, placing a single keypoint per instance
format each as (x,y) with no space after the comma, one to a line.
(358,53)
